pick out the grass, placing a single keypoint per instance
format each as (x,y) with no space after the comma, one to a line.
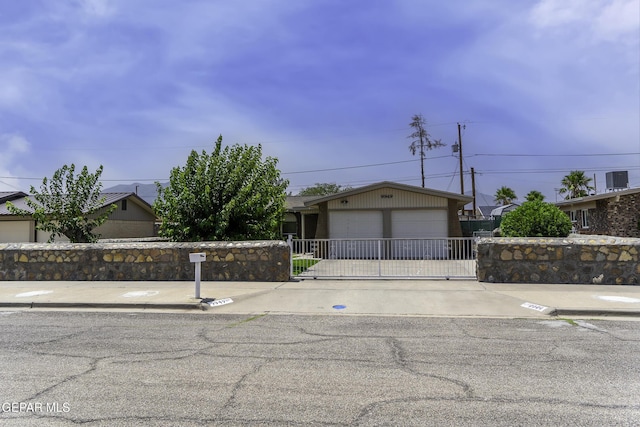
(300,265)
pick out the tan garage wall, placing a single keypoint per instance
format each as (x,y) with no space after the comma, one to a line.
(16,231)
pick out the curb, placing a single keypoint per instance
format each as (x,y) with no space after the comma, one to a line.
(594,312)
(138,306)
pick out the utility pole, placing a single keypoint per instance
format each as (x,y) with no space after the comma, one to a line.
(473,190)
(460,151)
(421,141)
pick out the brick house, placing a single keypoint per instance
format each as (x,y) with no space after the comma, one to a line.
(616,213)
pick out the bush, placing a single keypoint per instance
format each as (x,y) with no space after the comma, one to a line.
(536,219)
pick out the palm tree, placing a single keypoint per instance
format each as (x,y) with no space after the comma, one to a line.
(505,196)
(576,184)
(534,195)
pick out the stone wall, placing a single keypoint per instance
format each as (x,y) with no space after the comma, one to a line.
(575,259)
(241,261)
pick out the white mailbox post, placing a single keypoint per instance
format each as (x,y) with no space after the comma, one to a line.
(198,258)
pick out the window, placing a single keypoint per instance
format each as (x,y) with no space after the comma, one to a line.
(585,219)
(124,205)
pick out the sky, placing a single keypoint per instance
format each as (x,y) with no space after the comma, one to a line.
(328,87)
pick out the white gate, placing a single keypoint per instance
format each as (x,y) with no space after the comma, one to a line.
(438,258)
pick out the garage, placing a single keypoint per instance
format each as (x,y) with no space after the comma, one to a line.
(354,226)
(16,231)
(385,230)
(418,230)
(419,223)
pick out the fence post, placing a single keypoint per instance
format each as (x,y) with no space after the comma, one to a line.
(290,243)
(379,258)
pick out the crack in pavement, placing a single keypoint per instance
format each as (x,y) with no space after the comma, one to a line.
(399,358)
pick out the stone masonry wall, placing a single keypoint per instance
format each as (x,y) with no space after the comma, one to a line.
(240,261)
(575,259)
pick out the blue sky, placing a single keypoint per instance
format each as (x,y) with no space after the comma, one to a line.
(328,87)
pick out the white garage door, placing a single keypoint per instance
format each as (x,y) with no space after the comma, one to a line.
(15,231)
(419,223)
(421,228)
(354,225)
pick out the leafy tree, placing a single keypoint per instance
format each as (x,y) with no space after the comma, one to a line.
(505,196)
(576,184)
(535,219)
(68,205)
(230,194)
(323,189)
(534,195)
(421,140)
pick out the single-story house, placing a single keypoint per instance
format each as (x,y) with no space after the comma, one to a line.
(381,210)
(134,218)
(501,210)
(616,213)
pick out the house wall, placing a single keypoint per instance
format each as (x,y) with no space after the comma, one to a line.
(17,230)
(614,216)
(134,212)
(238,261)
(388,198)
(118,229)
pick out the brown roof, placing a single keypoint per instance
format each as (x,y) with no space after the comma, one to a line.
(602,196)
(110,198)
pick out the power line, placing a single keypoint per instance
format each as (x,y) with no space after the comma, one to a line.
(552,155)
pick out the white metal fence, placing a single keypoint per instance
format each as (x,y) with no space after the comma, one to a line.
(397,258)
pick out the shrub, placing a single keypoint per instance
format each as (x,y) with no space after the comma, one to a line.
(536,219)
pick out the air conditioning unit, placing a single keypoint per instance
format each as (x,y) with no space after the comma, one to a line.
(618,180)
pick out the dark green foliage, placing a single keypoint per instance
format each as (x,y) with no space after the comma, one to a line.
(68,205)
(505,196)
(534,195)
(230,194)
(323,189)
(535,219)
(576,184)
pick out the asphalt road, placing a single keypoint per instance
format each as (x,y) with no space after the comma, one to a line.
(135,369)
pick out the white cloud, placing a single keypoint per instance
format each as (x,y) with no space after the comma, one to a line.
(602,20)
(12,146)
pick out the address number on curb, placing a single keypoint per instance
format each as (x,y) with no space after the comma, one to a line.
(222,301)
(534,306)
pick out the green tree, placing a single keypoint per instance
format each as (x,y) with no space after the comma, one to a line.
(535,219)
(576,184)
(505,196)
(534,195)
(421,140)
(323,189)
(230,194)
(68,205)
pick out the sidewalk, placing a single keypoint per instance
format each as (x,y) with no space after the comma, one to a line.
(359,297)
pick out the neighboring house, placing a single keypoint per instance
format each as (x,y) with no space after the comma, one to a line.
(10,195)
(484,205)
(300,220)
(501,210)
(134,218)
(382,210)
(616,213)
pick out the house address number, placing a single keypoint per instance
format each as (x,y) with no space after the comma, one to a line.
(386,196)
